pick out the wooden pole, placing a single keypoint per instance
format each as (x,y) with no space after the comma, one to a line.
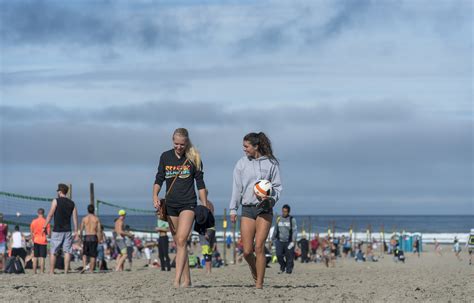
(91,191)
(310,229)
(224,225)
(368,240)
(234,226)
(354,242)
(334,229)
(350,236)
(69,193)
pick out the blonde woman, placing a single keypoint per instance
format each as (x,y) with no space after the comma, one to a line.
(183,161)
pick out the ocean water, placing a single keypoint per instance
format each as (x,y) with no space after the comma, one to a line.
(422,224)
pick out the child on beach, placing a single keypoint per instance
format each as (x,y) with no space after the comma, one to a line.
(457,249)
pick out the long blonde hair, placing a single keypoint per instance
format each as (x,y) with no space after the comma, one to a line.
(191,151)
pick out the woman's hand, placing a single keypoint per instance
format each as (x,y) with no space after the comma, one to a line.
(156,202)
(233,218)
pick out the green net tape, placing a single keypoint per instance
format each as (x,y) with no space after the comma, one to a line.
(138,210)
(107,227)
(16,223)
(12,195)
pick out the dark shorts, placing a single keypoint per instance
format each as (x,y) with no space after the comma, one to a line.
(89,247)
(175,210)
(39,250)
(252,212)
(20,252)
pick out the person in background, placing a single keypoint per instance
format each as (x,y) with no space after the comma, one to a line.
(470,245)
(93,233)
(303,244)
(457,249)
(3,242)
(139,246)
(346,246)
(284,237)
(101,248)
(228,241)
(416,246)
(38,236)
(163,244)
(119,234)
(63,209)
(208,242)
(18,243)
(437,248)
(148,249)
(314,247)
(130,246)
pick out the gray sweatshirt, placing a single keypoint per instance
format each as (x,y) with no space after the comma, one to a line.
(247,172)
(283,226)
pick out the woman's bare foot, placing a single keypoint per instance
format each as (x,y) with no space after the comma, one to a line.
(186,284)
(176,284)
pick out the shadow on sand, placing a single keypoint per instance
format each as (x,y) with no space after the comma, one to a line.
(252,286)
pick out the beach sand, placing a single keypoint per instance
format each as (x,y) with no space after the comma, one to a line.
(428,279)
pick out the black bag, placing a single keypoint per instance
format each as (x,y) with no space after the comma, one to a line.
(14,266)
(59,262)
(29,264)
(103,265)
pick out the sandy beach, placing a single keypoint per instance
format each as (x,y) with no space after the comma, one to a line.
(428,279)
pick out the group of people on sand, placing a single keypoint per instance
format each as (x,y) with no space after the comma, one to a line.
(181,170)
(62,235)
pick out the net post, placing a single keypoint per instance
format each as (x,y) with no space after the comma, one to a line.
(224,225)
(234,226)
(92,195)
(69,193)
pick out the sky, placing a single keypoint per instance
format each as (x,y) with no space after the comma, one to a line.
(369,104)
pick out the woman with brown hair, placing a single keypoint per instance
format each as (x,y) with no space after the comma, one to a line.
(259,163)
(182,166)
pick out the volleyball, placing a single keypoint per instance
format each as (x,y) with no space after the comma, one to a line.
(263,188)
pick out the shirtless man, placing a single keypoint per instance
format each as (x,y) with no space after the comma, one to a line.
(93,235)
(120,234)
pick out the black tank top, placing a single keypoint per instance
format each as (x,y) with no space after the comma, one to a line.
(62,215)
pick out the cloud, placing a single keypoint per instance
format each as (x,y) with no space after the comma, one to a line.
(94,24)
(368,103)
(365,152)
(246,27)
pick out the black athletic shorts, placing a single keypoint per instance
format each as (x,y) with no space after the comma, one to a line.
(89,247)
(175,210)
(19,252)
(252,211)
(40,250)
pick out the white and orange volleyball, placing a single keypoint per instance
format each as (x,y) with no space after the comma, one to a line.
(263,188)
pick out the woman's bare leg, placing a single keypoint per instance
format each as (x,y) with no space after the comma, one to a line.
(180,228)
(247,231)
(263,224)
